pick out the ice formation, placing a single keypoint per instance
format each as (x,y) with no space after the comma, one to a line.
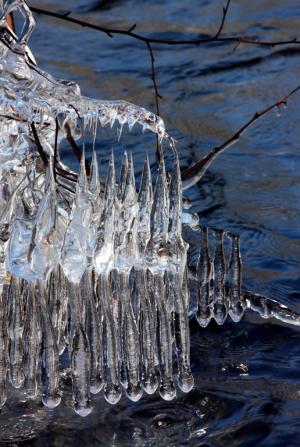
(96,271)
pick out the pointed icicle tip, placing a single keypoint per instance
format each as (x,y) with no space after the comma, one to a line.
(110,179)
(160,207)
(146,191)
(119,131)
(130,180)
(50,180)
(82,178)
(94,177)
(123,176)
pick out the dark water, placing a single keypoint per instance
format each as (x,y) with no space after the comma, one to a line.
(248,374)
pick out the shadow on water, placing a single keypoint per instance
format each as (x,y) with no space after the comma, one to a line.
(247,375)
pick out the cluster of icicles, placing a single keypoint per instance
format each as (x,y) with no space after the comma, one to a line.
(103,279)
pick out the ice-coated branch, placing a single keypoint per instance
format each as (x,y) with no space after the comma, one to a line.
(268,308)
(215,273)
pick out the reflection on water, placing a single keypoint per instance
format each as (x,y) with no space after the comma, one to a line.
(247,375)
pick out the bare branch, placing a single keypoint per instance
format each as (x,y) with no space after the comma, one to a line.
(153,77)
(10,22)
(38,145)
(215,38)
(192,175)
(75,148)
(156,94)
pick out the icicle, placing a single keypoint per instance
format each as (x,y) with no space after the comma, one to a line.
(123,176)
(177,294)
(167,389)
(32,341)
(145,198)
(182,333)
(58,306)
(51,396)
(130,341)
(103,258)
(74,252)
(42,254)
(220,300)
(80,366)
(147,331)
(160,207)
(94,331)
(94,184)
(205,301)
(112,391)
(237,303)
(15,333)
(156,256)
(126,240)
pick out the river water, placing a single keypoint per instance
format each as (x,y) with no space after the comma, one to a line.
(247,375)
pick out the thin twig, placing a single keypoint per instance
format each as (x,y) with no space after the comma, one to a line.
(153,77)
(225,10)
(66,174)
(10,22)
(76,149)
(38,145)
(192,175)
(156,93)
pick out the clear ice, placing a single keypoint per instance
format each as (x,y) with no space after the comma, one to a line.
(95,270)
